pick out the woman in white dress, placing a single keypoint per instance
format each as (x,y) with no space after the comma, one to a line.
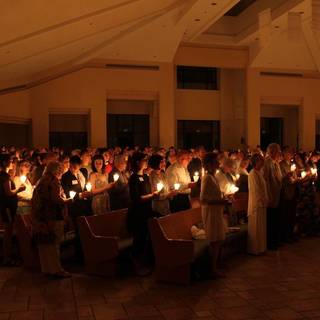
(257,208)
(212,205)
(100,186)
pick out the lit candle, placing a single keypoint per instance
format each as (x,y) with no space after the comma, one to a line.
(89,186)
(217,171)
(23,179)
(72,194)
(293,167)
(232,189)
(176,186)
(303,174)
(196,176)
(314,171)
(116,177)
(159,186)
(237,176)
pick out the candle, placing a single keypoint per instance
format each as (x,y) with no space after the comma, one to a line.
(196,176)
(89,186)
(237,176)
(232,189)
(23,179)
(202,172)
(303,174)
(176,186)
(293,167)
(217,171)
(72,194)
(159,186)
(115,177)
(314,171)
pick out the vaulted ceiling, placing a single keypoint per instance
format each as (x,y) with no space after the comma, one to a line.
(41,38)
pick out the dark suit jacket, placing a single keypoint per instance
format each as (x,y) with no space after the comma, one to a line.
(78,207)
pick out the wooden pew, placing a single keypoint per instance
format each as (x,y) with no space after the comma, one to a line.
(29,252)
(173,246)
(103,238)
(175,250)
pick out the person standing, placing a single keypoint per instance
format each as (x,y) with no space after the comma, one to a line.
(139,213)
(119,194)
(257,208)
(177,175)
(74,181)
(212,207)
(273,178)
(48,219)
(8,206)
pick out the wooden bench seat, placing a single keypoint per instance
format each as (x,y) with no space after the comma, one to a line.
(103,238)
(28,251)
(175,250)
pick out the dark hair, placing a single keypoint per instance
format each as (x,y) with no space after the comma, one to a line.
(75,160)
(209,159)
(98,157)
(4,159)
(255,158)
(154,161)
(136,158)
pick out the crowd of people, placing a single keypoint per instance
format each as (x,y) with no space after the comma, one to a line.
(56,187)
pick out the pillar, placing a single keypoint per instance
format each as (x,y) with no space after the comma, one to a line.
(167,121)
(253,108)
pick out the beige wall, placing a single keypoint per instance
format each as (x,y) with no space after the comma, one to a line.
(237,104)
(15,106)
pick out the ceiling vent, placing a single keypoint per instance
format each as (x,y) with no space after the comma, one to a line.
(132,67)
(278,74)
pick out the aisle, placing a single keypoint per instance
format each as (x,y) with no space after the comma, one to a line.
(280,285)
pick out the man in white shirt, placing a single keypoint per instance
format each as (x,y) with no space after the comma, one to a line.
(178,178)
(273,178)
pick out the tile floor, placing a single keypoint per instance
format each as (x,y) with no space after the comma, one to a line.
(279,285)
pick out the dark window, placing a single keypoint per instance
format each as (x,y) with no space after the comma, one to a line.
(12,134)
(193,133)
(271,131)
(197,78)
(68,140)
(128,130)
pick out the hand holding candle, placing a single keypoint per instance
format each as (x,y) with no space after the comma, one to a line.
(176,186)
(89,186)
(196,176)
(314,171)
(293,167)
(303,174)
(231,189)
(159,186)
(23,179)
(72,194)
(116,177)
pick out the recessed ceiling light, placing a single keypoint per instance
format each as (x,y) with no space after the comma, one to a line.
(256,39)
(277,27)
(301,12)
(213,3)
(197,20)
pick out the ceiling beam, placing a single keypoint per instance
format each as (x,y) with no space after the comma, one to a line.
(209,19)
(92,53)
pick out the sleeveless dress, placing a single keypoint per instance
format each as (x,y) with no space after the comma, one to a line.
(212,215)
(100,202)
